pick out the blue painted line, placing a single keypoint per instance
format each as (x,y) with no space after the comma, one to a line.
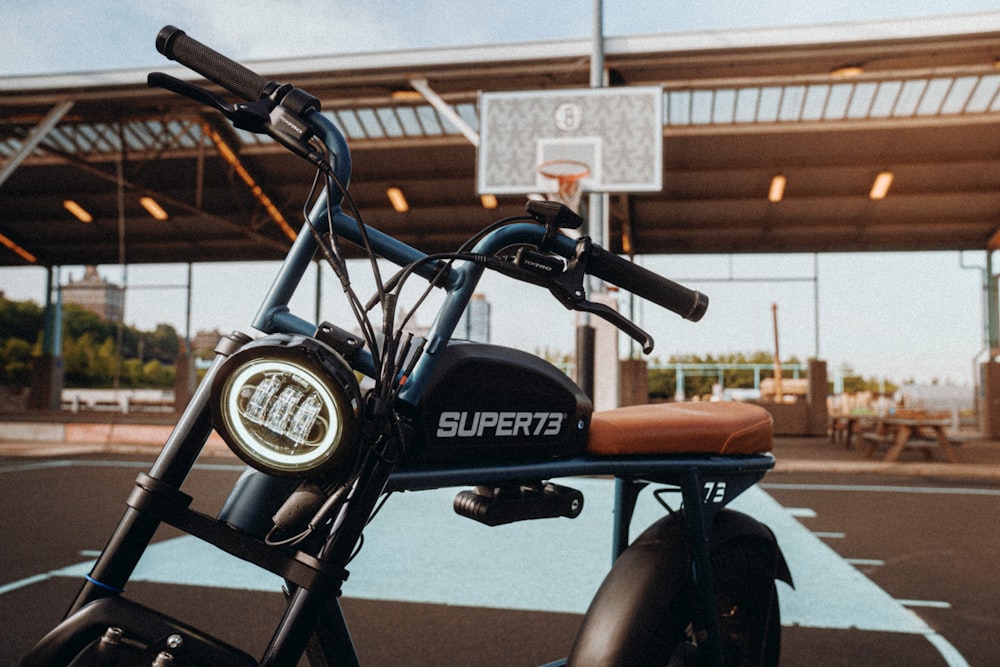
(22,583)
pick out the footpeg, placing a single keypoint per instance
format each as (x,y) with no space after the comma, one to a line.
(495,506)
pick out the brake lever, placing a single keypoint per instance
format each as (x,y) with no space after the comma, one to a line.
(252,117)
(568,288)
(265,116)
(189,90)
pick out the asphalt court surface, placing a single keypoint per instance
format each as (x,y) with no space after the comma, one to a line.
(889,570)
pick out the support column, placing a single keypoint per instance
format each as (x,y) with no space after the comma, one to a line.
(185,368)
(989,372)
(992,317)
(47,371)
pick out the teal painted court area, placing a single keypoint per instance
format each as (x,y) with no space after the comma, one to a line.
(419,550)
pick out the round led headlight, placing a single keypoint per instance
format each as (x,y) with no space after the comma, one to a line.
(288,406)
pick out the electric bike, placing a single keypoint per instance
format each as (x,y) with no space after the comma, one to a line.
(330,419)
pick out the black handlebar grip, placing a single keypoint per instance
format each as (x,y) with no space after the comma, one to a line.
(175,44)
(689,304)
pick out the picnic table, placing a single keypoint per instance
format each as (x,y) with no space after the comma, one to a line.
(906,429)
(843,428)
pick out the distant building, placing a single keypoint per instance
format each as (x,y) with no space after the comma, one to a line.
(205,339)
(96,294)
(475,322)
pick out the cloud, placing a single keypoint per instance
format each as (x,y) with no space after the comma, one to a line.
(48,36)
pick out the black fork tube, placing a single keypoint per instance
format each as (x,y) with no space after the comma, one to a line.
(135,530)
(306,606)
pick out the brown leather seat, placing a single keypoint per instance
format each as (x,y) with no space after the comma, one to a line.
(681,428)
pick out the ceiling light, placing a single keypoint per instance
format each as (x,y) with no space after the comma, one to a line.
(488,201)
(18,250)
(230,157)
(777,191)
(153,208)
(880,188)
(79,212)
(397,200)
(847,71)
(406,95)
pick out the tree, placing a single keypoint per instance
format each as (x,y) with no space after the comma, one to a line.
(155,374)
(95,351)
(162,343)
(16,360)
(663,381)
(20,319)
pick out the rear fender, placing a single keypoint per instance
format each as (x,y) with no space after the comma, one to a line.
(638,590)
(730,525)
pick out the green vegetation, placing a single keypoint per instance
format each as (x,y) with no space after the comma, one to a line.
(93,357)
(95,353)
(663,381)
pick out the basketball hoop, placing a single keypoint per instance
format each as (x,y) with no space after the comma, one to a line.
(568,174)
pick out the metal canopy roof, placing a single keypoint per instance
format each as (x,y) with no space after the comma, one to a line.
(740,107)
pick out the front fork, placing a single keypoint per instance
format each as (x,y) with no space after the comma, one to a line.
(312,599)
(135,530)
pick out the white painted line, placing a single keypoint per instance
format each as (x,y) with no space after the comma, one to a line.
(952,657)
(881,489)
(829,535)
(801,512)
(931,604)
(41,465)
(870,562)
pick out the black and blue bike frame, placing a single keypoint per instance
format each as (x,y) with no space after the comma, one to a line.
(706,483)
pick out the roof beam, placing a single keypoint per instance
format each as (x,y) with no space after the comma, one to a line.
(35,137)
(445,109)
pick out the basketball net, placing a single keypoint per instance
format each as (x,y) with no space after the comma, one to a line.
(568,175)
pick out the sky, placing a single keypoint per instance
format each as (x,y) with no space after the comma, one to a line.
(900,316)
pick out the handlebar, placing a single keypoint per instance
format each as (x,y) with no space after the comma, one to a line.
(689,304)
(175,44)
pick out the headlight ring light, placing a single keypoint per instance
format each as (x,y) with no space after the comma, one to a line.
(288,406)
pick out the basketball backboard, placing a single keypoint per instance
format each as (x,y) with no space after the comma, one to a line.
(616,133)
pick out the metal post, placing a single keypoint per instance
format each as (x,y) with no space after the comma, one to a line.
(47,371)
(187,310)
(816,303)
(594,221)
(992,319)
(52,332)
(595,205)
